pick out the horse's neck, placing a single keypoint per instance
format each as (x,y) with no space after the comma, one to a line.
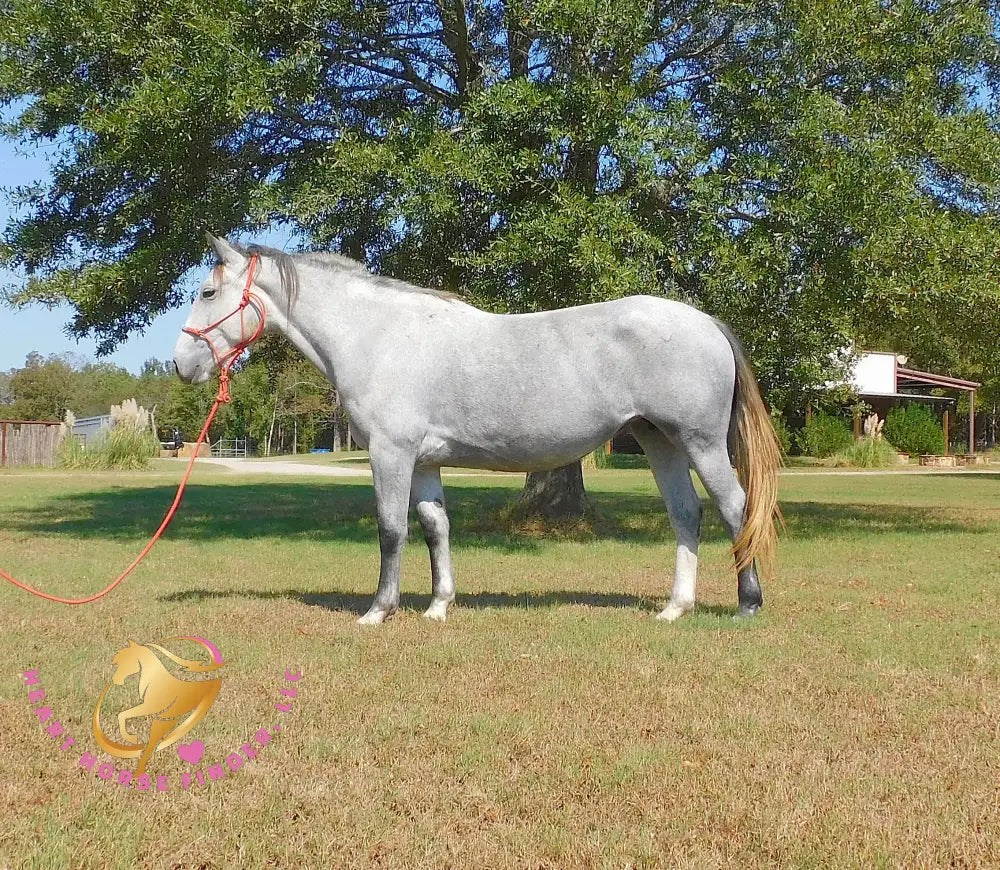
(334,319)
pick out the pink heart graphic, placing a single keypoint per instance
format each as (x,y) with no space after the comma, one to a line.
(191,752)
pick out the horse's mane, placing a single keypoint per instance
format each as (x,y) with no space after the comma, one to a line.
(286,267)
(331,262)
(144,676)
(339,263)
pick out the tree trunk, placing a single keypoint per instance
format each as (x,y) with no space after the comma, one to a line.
(270,431)
(555,495)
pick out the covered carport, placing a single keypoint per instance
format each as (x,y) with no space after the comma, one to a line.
(883,381)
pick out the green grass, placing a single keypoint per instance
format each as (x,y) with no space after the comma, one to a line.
(552,722)
(319,458)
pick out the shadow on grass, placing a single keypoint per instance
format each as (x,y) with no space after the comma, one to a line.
(346,513)
(357,602)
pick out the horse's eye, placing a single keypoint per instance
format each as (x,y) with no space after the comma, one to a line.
(208,293)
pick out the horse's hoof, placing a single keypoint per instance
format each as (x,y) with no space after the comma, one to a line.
(438,611)
(672,611)
(746,611)
(374,617)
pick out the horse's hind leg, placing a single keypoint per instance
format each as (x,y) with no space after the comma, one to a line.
(427,496)
(716,473)
(673,477)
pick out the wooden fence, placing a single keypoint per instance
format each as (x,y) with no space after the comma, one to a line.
(28,442)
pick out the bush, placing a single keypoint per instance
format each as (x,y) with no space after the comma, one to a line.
(600,458)
(865,453)
(914,429)
(628,460)
(823,436)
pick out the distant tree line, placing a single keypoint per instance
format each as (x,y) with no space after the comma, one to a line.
(280,401)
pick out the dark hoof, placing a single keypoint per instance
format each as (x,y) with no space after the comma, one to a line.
(747,610)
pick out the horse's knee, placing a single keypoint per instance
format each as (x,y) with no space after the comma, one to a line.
(433,521)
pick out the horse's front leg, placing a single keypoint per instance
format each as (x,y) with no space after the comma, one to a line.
(392,470)
(427,496)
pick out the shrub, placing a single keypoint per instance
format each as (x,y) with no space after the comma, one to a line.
(70,451)
(914,429)
(865,453)
(600,458)
(628,460)
(823,436)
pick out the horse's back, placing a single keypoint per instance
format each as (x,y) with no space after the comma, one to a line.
(553,385)
(624,349)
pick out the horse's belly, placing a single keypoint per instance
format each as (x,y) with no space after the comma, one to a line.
(517,447)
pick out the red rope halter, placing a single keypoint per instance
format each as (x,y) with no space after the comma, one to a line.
(225,363)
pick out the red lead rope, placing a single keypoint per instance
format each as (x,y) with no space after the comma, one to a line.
(224,362)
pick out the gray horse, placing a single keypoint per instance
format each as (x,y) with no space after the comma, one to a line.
(429,381)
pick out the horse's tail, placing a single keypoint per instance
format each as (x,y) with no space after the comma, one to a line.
(757,455)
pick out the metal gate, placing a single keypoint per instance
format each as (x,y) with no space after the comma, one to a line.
(231,448)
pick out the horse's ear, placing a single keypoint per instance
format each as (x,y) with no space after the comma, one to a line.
(224,251)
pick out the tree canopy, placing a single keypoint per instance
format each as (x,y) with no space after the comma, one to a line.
(813,172)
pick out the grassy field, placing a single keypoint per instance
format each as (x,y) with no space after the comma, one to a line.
(552,722)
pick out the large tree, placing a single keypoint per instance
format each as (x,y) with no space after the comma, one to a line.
(811,172)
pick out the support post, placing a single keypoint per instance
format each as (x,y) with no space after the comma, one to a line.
(857,425)
(3,444)
(972,421)
(945,431)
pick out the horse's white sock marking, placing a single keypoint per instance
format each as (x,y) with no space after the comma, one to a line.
(438,610)
(685,575)
(373,617)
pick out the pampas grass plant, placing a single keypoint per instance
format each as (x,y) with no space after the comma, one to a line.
(867,452)
(71,452)
(128,445)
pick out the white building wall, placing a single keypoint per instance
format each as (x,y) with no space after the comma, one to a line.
(88,427)
(874,373)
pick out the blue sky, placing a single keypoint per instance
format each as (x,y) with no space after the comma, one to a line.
(37,327)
